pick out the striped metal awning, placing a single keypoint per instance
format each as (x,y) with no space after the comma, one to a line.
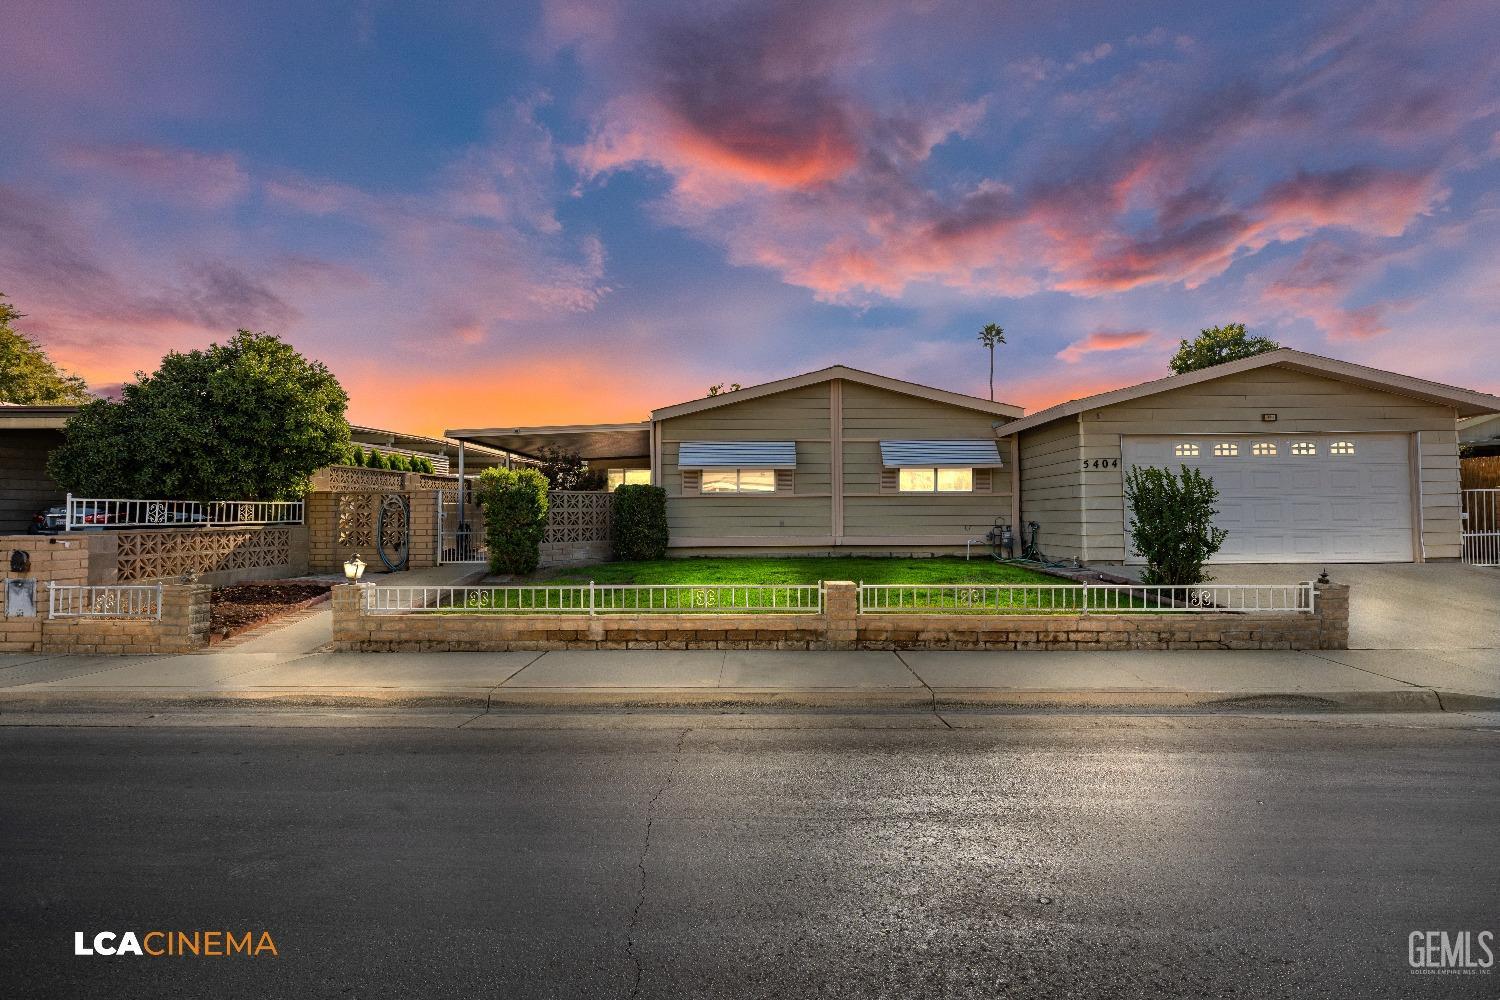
(962,453)
(737,455)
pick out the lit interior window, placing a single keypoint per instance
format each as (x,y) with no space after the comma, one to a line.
(738,481)
(1226,449)
(1186,451)
(1341,448)
(955,481)
(918,480)
(628,477)
(1265,449)
(1304,447)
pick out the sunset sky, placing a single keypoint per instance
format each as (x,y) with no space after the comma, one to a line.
(573,212)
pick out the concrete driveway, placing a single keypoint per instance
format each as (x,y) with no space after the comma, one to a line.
(1403,605)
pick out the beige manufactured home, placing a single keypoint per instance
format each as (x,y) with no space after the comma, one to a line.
(1316,460)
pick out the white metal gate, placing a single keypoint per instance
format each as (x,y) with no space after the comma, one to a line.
(1481,527)
(460,535)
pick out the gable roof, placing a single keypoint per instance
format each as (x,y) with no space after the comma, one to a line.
(1466,401)
(849,375)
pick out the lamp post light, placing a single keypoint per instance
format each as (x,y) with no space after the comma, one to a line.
(354,569)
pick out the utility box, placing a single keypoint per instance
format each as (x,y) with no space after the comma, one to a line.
(20,598)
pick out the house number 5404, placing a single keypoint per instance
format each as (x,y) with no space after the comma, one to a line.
(1101,463)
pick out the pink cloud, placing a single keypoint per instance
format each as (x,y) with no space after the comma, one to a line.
(209,180)
(1104,340)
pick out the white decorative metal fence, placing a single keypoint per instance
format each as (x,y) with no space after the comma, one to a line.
(599,599)
(91,512)
(1085,599)
(1481,527)
(114,601)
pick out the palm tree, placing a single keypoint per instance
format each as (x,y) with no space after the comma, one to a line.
(989,337)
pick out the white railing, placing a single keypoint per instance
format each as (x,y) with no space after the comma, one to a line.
(1481,527)
(85,512)
(114,601)
(1088,598)
(599,599)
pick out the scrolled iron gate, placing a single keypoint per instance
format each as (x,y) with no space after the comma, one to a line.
(393,531)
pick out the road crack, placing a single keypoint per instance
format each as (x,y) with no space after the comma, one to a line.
(640,896)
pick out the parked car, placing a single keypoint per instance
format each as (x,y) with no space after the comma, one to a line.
(98,517)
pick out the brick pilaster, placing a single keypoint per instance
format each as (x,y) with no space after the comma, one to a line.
(841,613)
(1332,605)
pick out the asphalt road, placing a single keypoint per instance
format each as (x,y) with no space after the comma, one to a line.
(1046,857)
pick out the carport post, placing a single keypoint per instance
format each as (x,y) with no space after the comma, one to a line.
(460,483)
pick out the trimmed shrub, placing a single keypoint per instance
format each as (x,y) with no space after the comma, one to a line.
(1171,523)
(398,463)
(374,459)
(423,465)
(640,522)
(514,502)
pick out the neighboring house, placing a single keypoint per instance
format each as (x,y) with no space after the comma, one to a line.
(27,436)
(1481,433)
(1316,460)
(29,433)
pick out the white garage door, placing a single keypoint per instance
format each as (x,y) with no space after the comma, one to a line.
(1298,499)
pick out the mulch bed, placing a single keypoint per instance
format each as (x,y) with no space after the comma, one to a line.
(246,605)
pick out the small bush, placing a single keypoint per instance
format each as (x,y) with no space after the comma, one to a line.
(514,502)
(1171,523)
(640,522)
(398,463)
(374,460)
(423,465)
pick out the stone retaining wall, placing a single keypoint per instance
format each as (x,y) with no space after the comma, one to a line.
(840,626)
(183,626)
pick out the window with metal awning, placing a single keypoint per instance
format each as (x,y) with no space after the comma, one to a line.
(963,465)
(764,468)
(959,453)
(737,455)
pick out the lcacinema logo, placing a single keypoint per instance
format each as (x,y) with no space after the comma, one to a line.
(177,944)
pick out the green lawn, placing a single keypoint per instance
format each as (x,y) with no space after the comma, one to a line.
(804,570)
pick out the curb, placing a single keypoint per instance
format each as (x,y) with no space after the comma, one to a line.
(919,699)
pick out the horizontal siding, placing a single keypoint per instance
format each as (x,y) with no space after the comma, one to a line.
(1233,405)
(905,515)
(734,516)
(872,414)
(784,416)
(1442,505)
(879,413)
(1049,488)
(25,487)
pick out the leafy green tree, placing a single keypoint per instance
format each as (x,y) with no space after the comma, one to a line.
(991,335)
(1171,523)
(1219,344)
(27,375)
(566,471)
(514,502)
(251,419)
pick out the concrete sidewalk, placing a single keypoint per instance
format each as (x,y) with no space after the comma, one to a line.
(1352,680)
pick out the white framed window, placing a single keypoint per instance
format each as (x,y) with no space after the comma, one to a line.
(1263,449)
(738,481)
(1226,449)
(1341,448)
(627,477)
(936,480)
(1304,448)
(1186,450)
